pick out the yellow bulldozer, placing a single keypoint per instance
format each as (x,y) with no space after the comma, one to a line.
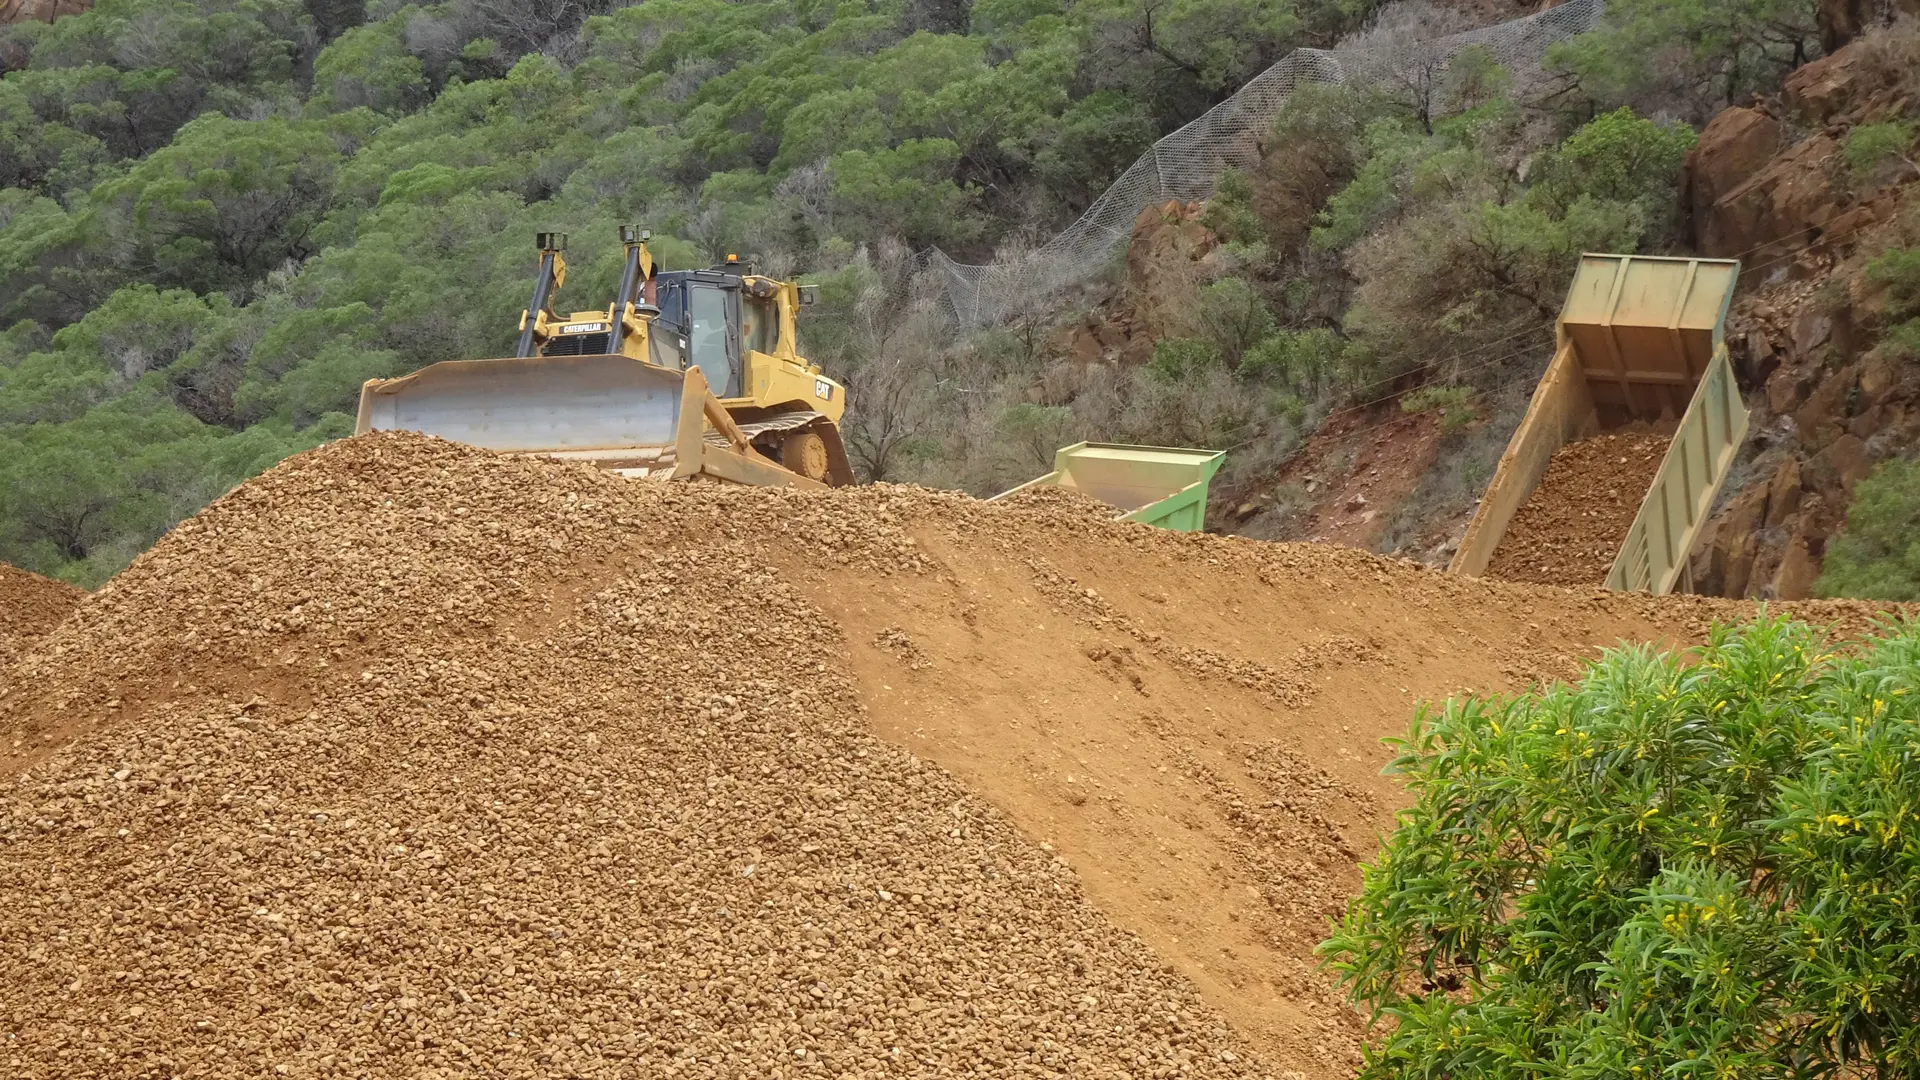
(687,373)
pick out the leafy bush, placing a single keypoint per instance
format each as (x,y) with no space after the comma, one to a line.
(1872,151)
(1617,157)
(1234,317)
(1033,432)
(1681,866)
(1455,405)
(1877,553)
(1472,254)
(1230,213)
(1897,271)
(1304,360)
(1181,358)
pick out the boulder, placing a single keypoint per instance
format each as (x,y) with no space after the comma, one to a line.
(1728,544)
(1783,492)
(1847,455)
(1831,85)
(1737,143)
(1811,329)
(1798,571)
(1823,416)
(1787,388)
(1754,358)
(1778,209)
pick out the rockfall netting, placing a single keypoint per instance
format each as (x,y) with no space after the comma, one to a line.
(1186,164)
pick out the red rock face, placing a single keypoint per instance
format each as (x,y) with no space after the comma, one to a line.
(1828,405)
(1737,144)
(1754,195)
(1782,206)
(1168,258)
(14,11)
(1829,86)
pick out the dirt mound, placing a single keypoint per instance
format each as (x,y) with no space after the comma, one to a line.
(1066,502)
(30,605)
(1571,528)
(405,759)
(500,789)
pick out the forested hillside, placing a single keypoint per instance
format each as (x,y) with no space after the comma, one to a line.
(220,216)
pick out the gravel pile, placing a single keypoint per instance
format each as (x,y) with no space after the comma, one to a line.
(1571,528)
(408,760)
(30,605)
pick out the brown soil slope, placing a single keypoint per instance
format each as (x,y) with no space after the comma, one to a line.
(1571,528)
(406,759)
(30,605)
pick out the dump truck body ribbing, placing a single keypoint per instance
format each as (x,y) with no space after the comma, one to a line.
(1640,339)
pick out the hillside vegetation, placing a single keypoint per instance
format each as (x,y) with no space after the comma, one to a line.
(220,216)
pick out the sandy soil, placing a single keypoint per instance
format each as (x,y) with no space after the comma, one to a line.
(30,605)
(409,760)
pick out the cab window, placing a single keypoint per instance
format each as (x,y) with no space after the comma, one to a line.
(759,325)
(707,344)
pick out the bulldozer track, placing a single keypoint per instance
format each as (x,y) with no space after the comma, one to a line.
(784,422)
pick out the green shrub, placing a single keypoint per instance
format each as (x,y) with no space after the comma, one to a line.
(1687,55)
(1180,358)
(1681,867)
(1230,213)
(1616,157)
(1234,317)
(1871,151)
(1897,271)
(1877,553)
(1304,360)
(1455,404)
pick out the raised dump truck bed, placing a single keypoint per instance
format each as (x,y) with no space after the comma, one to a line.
(1161,486)
(1639,340)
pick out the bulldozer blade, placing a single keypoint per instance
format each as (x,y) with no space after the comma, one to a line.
(611,411)
(604,409)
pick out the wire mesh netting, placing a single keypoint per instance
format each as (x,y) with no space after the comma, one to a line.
(1186,164)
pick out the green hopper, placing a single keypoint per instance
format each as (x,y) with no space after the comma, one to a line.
(1162,486)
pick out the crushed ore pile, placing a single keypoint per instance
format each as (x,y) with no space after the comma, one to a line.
(1571,528)
(410,760)
(30,606)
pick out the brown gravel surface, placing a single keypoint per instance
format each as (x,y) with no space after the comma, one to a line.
(418,764)
(30,605)
(1571,529)
(410,760)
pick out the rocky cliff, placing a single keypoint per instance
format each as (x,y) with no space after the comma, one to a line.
(1769,184)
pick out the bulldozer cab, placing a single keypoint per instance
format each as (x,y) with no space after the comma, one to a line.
(726,317)
(704,309)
